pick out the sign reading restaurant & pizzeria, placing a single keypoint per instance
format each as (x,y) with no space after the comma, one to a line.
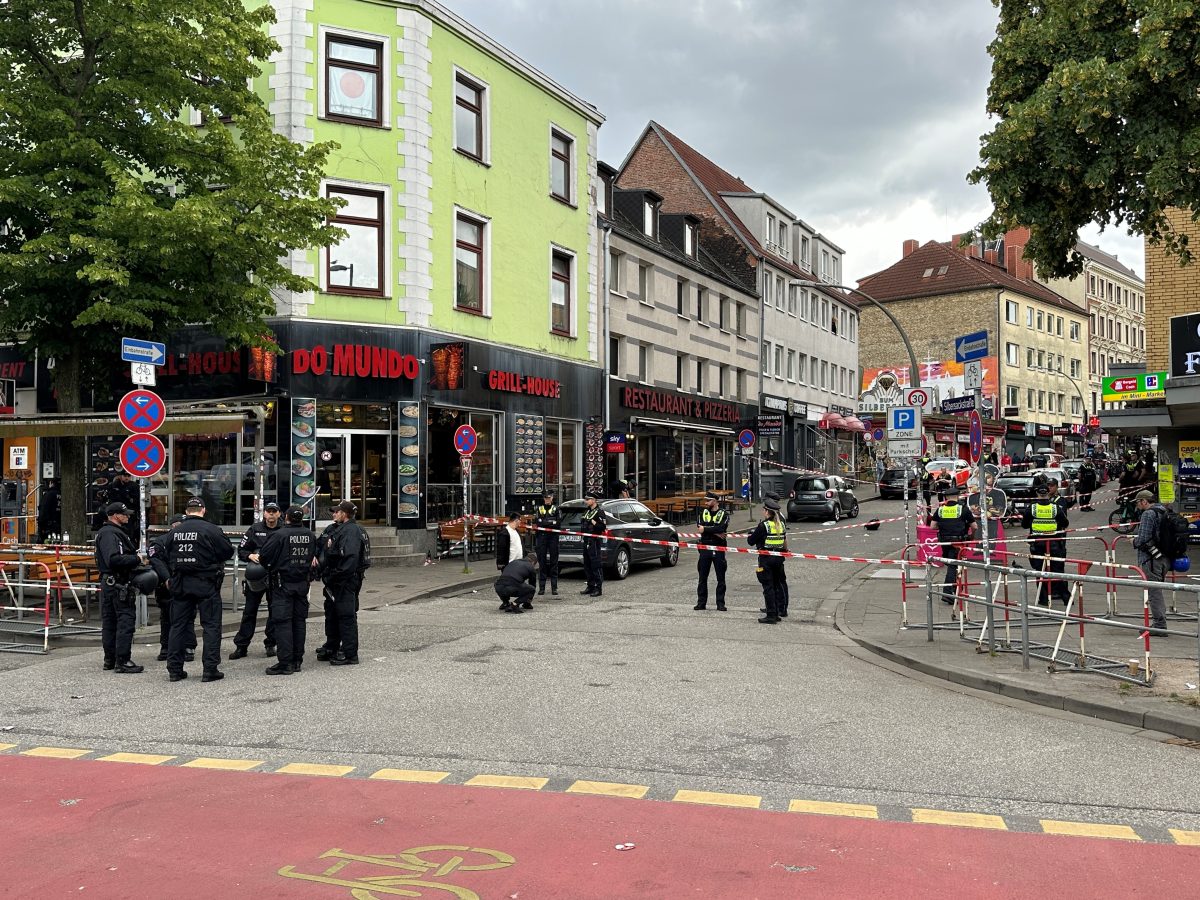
(646,400)
(355,361)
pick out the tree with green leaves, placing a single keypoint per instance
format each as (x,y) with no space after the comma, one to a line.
(1099,121)
(118,214)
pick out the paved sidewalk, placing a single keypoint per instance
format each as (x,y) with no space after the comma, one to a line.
(871,616)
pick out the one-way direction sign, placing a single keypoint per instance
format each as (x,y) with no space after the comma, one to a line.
(135,351)
(971,346)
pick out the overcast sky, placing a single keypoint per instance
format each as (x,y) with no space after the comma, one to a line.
(862,117)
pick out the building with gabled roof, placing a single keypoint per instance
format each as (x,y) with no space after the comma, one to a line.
(1036,338)
(809,349)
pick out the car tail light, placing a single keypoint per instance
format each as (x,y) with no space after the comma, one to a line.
(829,495)
(791,495)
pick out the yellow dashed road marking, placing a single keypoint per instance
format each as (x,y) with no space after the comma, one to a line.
(143,759)
(958,819)
(609,789)
(418,775)
(1090,829)
(509,781)
(315,769)
(1187,838)
(229,765)
(746,801)
(56,752)
(822,808)
(7,746)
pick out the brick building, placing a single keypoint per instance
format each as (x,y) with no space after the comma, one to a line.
(939,291)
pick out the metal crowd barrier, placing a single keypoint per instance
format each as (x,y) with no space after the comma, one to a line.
(997,579)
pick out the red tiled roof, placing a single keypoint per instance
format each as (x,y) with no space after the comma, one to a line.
(906,279)
(716,181)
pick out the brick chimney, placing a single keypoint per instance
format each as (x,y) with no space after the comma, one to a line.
(1017,265)
(990,256)
(910,247)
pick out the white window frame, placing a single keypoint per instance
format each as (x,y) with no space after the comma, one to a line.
(1012,355)
(326,31)
(388,222)
(615,260)
(650,218)
(486,221)
(572,299)
(485,106)
(572,165)
(1015,307)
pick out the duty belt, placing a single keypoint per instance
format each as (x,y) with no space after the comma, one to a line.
(111,581)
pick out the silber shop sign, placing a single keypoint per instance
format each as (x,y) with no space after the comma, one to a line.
(1185,345)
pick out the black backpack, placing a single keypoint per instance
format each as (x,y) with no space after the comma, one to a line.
(1173,533)
(364,559)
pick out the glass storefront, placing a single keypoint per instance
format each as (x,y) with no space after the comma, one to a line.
(563,459)
(443,490)
(702,463)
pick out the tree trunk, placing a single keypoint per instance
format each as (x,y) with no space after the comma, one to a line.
(72,450)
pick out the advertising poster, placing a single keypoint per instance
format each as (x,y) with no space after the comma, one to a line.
(529,453)
(593,453)
(1189,458)
(408,465)
(946,376)
(304,450)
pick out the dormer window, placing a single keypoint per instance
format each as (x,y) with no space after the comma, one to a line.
(689,239)
(650,218)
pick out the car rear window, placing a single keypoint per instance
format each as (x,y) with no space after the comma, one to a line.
(811,484)
(894,473)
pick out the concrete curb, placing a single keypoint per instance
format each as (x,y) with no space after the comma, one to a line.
(1138,713)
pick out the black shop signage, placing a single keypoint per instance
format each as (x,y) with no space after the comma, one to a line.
(516,383)
(667,403)
(770,426)
(1185,345)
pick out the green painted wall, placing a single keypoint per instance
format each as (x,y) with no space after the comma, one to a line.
(513,191)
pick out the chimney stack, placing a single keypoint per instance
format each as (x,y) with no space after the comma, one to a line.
(991,256)
(910,247)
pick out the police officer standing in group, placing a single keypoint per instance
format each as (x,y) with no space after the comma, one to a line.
(1089,479)
(1046,518)
(713,522)
(116,558)
(248,552)
(288,556)
(197,551)
(547,516)
(156,549)
(594,525)
(770,534)
(955,523)
(344,558)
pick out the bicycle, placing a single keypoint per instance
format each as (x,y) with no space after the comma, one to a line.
(1125,517)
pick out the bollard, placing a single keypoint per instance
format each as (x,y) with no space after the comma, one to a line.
(1024,619)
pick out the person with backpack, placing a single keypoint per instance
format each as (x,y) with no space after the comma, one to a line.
(287,556)
(345,558)
(1161,539)
(1088,480)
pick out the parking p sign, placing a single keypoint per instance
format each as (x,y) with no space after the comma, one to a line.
(904,423)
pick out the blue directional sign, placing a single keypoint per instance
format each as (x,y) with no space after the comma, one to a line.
(136,351)
(971,346)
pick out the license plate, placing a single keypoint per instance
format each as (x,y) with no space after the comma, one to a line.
(810,496)
(570,539)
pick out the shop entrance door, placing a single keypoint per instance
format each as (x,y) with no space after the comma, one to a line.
(354,466)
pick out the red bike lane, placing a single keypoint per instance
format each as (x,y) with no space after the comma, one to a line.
(111,830)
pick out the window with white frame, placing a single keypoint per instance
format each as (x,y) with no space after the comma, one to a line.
(354,76)
(791,365)
(356,264)
(824,374)
(615,284)
(1029,317)
(1031,358)
(1012,355)
(1074,331)
(804,251)
(766,358)
(1076,407)
(804,304)
(644,276)
(689,239)
(1030,397)
(650,218)
(780,294)
(778,361)
(701,303)
(853,327)
(470,117)
(1012,312)
(562,154)
(1076,368)
(740,323)
(562,265)
(470,259)
(681,291)
(1012,395)
(802,368)
(793,299)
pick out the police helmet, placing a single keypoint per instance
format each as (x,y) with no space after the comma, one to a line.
(256,577)
(145,580)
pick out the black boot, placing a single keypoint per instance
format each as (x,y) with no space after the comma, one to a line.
(128,667)
(238,653)
(280,668)
(324,654)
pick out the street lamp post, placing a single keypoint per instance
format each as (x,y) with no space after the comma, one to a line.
(337,267)
(1082,402)
(915,377)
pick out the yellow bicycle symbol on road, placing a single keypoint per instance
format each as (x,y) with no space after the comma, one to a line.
(421,864)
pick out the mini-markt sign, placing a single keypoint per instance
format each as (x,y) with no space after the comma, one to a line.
(1149,386)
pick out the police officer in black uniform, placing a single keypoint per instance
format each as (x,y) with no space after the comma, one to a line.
(713,522)
(116,558)
(770,534)
(197,551)
(593,523)
(545,543)
(781,586)
(955,523)
(248,552)
(288,557)
(156,549)
(1046,518)
(343,559)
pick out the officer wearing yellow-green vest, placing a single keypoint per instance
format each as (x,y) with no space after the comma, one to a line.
(713,522)
(955,523)
(770,534)
(1046,518)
